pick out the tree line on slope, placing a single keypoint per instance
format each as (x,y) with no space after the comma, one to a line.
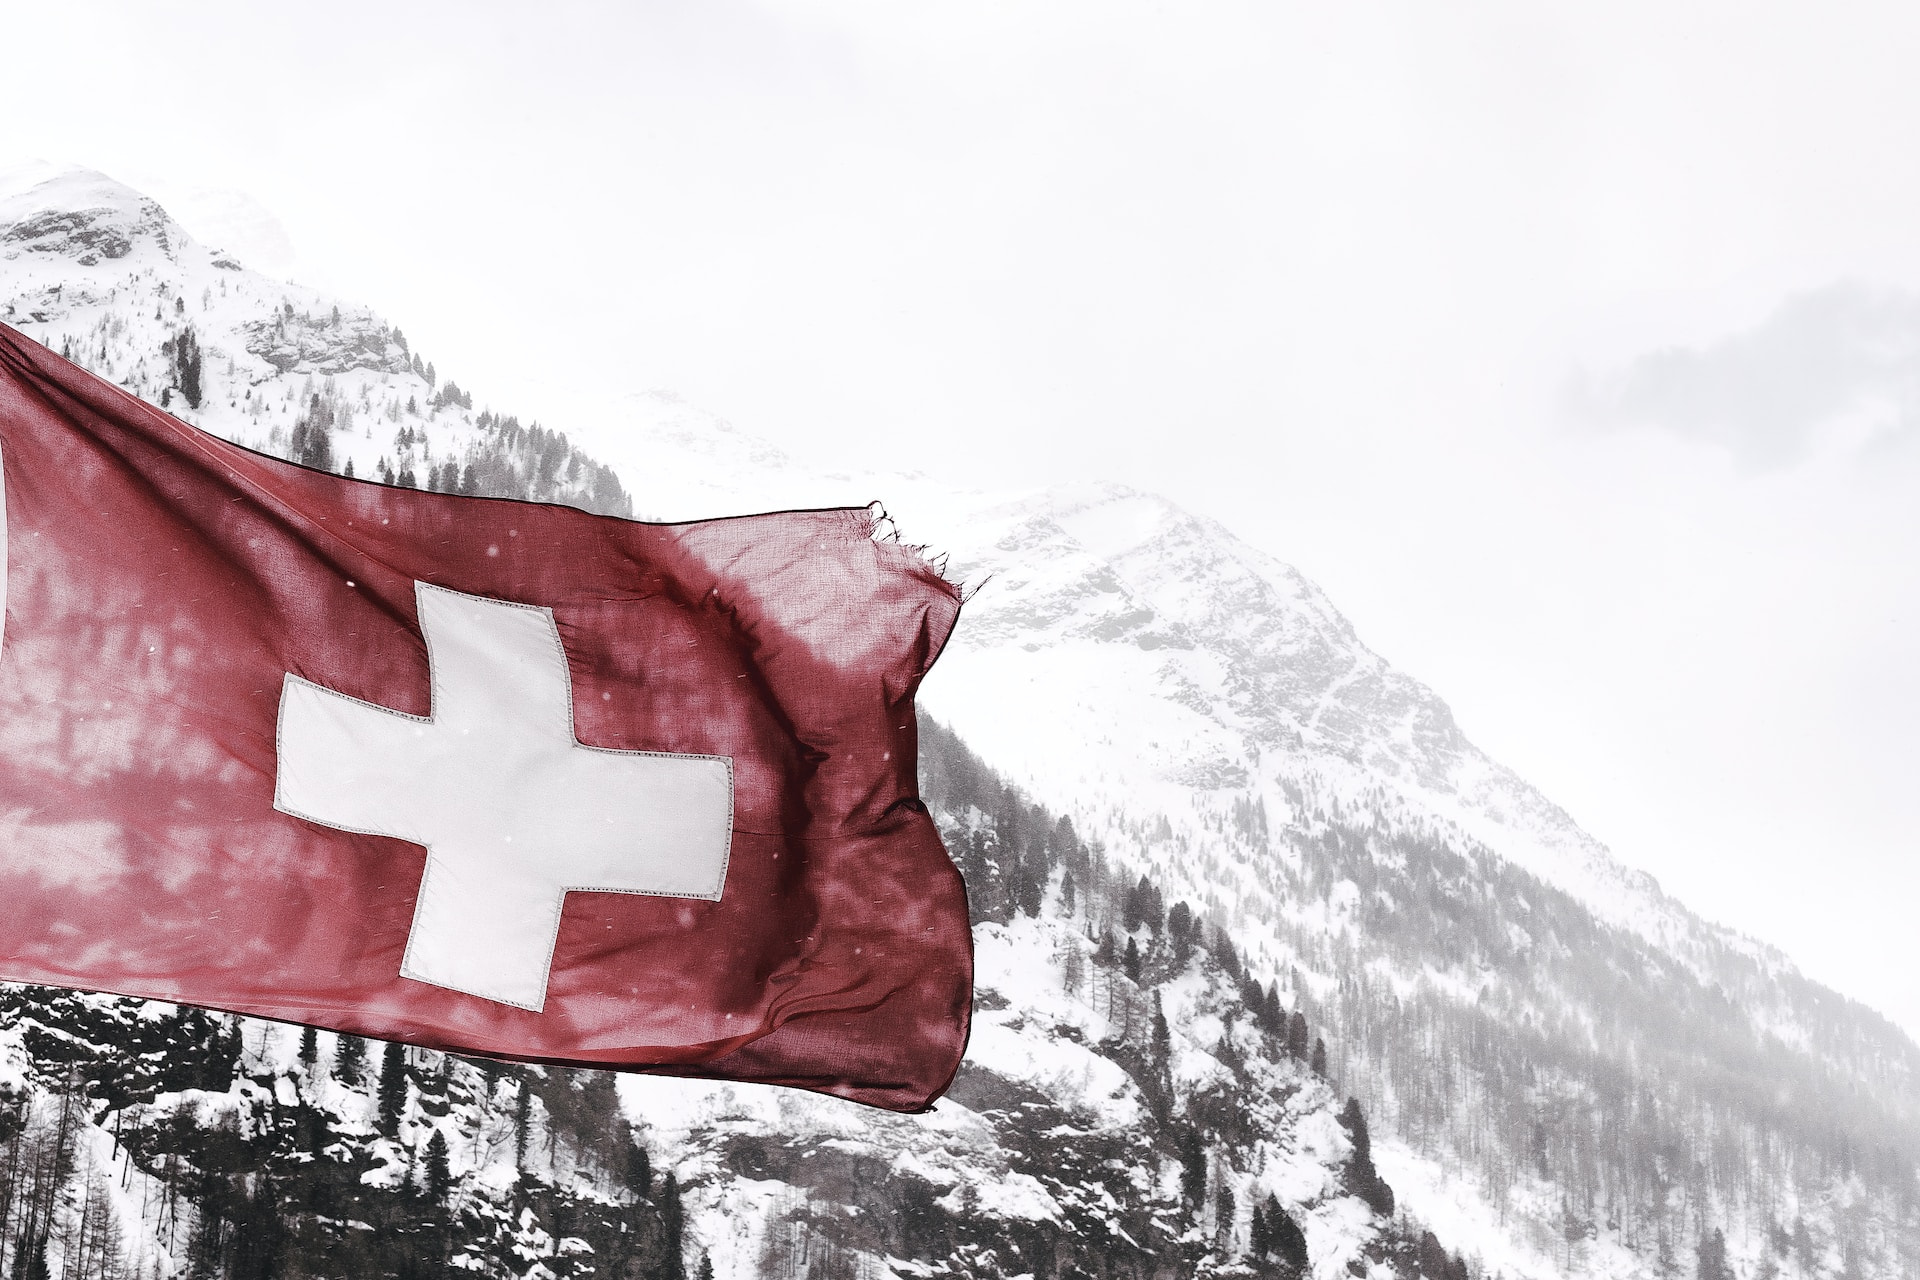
(1020,860)
(337,1167)
(505,459)
(1641,1093)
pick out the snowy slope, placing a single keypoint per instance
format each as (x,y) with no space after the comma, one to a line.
(1141,668)
(1492,982)
(102,274)
(1122,650)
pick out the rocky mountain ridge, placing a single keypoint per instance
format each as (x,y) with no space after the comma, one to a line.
(267,364)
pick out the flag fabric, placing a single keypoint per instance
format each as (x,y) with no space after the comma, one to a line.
(483,775)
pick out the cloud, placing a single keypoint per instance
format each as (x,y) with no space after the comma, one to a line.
(1838,364)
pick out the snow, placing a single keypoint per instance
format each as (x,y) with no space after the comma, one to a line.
(1453,1209)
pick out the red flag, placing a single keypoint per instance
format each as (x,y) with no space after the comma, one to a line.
(484,775)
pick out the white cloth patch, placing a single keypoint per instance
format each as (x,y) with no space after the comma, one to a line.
(514,812)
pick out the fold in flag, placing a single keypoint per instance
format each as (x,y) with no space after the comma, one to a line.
(488,776)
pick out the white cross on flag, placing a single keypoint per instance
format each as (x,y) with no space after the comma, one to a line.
(512,810)
(483,775)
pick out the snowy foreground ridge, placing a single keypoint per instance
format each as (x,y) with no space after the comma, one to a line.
(1279,974)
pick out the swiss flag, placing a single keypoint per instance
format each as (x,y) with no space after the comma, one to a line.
(488,776)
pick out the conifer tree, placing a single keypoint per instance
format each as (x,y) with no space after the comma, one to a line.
(1029,884)
(1180,932)
(639,1170)
(1193,1166)
(522,1107)
(1158,1086)
(1225,955)
(312,440)
(1132,904)
(439,1176)
(350,1059)
(1073,970)
(1272,1021)
(1361,1177)
(309,1047)
(1803,1244)
(186,363)
(31,1264)
(227,1048)
(393,1089)
(673,1225)
(1225,1210)
(1713,1256)
(1285,1239)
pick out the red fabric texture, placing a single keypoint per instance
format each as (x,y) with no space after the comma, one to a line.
(160,584)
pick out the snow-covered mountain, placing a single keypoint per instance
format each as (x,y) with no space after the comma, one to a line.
(1128,648)
(1203,712)
(265,363)
(1567,1072)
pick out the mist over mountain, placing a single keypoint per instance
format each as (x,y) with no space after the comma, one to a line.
(1278,973)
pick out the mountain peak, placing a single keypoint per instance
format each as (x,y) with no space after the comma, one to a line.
(80,215)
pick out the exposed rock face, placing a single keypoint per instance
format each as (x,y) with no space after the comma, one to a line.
(114,283)
(297,344)
(86,235)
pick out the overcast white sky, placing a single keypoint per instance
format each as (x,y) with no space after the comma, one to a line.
(1574,350)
